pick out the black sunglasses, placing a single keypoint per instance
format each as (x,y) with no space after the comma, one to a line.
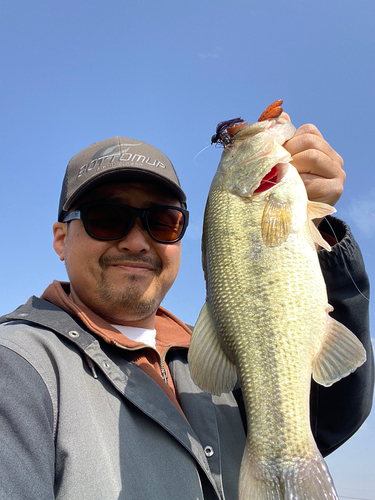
(110,220)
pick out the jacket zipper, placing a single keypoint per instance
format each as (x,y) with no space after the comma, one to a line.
(163,371)
(164,374)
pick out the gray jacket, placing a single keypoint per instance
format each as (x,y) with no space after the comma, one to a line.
(78,420)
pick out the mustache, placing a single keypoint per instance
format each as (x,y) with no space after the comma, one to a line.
(105,261)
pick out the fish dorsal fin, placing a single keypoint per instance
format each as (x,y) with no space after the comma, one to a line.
(276,222)
(317,210)
(210,368)
(341,354)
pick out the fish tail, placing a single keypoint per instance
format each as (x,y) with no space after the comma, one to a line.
(299,479)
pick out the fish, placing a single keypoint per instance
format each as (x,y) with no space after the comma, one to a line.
(266,321)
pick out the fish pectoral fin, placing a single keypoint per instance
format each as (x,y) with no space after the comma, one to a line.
(341,354)
(210,367)
(276,222)
(317,237)
(317,210)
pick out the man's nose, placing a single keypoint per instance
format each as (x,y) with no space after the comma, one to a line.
(136,240)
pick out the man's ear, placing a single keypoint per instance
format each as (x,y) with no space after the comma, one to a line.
(59,237)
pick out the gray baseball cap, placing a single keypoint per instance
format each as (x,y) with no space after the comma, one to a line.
(116,159)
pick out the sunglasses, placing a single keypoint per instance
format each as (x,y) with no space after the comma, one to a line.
(110,220)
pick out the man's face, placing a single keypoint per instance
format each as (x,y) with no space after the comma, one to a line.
(123,281)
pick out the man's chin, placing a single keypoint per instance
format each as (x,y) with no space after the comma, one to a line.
(130,305)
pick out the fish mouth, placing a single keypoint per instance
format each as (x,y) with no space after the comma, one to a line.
(273,177)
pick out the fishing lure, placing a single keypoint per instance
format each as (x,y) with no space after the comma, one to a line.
(274,110)
(222,136)
(226,130)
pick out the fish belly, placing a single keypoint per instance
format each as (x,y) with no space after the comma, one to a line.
(269,306)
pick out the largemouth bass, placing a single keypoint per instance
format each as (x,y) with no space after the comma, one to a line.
(266,318)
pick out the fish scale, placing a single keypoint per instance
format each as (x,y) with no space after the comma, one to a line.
(266,319)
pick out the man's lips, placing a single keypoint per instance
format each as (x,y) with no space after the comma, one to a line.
(141,265)
(134,266)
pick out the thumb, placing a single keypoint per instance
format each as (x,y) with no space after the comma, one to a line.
(285,116)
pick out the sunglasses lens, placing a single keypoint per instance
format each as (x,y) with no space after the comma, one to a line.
(108,221)
(165,224)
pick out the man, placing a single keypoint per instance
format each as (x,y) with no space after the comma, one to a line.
(96,399)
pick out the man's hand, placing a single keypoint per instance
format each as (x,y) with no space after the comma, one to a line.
(320,167)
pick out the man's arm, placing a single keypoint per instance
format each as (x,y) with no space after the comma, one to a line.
(338,411)
(27,453)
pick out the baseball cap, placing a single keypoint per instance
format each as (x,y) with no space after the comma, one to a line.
(116,159)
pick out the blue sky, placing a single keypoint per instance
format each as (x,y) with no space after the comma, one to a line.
(167,72)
